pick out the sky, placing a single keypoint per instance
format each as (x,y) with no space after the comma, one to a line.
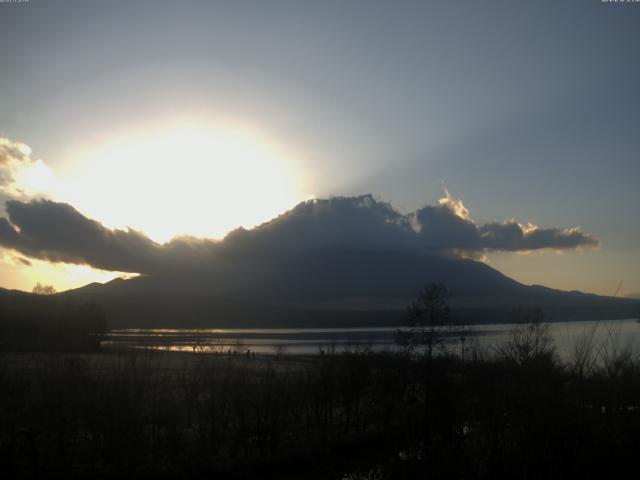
(194,118)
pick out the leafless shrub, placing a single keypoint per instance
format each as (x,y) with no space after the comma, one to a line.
(615,358)
(529,341)
(583,355)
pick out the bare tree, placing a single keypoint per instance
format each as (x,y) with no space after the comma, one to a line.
(41,289)
(529,340)
(584,358)
(427,320)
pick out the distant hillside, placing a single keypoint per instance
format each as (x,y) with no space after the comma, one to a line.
(333,288)
(30,322)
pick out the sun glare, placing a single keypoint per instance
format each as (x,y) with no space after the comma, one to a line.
(24,274)
(186,180)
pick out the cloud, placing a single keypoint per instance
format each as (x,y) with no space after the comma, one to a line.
(57,232)
(13,157)
(340,222)
(512,236)
(448,227)
(22,177)
(24,261)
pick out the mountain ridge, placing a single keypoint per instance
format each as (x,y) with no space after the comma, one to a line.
(334,287)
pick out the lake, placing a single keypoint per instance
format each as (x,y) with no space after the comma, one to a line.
(615,333)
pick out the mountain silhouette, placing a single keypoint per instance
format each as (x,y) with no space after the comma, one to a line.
(333,287)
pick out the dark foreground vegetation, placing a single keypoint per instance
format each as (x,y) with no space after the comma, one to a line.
(511,412)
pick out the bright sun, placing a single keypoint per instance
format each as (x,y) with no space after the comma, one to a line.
(186,180)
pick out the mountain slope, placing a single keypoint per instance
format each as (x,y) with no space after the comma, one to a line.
(332,288)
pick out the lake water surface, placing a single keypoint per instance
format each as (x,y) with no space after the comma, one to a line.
(614,333)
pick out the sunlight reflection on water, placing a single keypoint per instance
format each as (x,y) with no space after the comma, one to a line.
(299,341)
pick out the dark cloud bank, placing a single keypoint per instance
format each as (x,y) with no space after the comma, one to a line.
(57,232)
